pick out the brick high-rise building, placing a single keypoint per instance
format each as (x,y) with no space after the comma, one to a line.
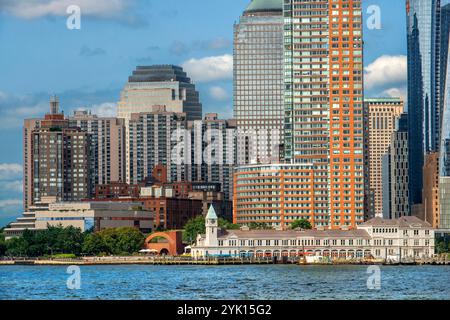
(56,159)
(323,67)
(276,195)
(430,206)
(382,115)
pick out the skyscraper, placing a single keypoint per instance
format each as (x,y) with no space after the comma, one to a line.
(107,145)
(214,151)
(258,81)
(150,87)
(382,116)
(444,46)
(423,31)
(323,67)
(57,159)
(395,191)
(152,139)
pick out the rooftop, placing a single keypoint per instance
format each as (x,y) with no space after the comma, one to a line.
(265,5)
(383,100)
(291,234)
(159,73)
(400,222)
(211,213)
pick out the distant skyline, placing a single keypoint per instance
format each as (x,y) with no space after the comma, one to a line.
(88,68)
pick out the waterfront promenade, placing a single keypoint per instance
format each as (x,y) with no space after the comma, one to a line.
(168,260)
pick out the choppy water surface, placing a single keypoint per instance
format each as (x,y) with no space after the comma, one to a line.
(275,282)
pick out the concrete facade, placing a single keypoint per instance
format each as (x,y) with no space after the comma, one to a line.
(382,115)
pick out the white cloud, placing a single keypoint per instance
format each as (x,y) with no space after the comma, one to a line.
(386,72)
(210,68)
(219,43)
(396,93)
(218,93)
(12,186)
(10,203)
(10,171)
(30,9)
(106,109)
(15,108)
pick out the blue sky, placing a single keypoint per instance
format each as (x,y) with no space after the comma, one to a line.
(87,68)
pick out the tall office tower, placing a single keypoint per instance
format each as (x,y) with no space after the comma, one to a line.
(258,81)
(107,146)
(156,138)
(444,160)
(161,85)
(57,159)
(445,35)
(423,31)
(324,103)
(382,115)
(214,151)
(395,191)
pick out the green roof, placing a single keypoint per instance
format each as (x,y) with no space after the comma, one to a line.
(211,213)
(265,5)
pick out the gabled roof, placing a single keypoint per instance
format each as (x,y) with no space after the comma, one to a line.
(407,221)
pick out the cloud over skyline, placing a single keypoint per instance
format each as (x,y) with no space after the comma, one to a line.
(106,109)
(387,75)
(210,68)
(40,8)
(218,93)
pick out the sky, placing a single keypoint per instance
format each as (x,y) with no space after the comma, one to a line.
(88,67)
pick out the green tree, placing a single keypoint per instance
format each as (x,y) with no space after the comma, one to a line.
(16,247)
(196,226)
(94,245)
(302,224)
(129,241)
(193,228)
(53,240)
(225,224)
(259,226)
(118,241)
(69,241)
(2,245)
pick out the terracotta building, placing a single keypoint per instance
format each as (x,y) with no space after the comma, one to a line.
(323,77)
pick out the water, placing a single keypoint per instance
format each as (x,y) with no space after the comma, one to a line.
(274,282)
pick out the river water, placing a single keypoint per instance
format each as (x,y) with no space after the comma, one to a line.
(272,282)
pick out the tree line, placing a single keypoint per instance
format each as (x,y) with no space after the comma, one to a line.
(72,241)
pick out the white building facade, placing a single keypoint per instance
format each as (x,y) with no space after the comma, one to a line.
(395,240)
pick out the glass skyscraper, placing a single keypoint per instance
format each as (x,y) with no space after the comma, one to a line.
(258,81)
(423,31)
